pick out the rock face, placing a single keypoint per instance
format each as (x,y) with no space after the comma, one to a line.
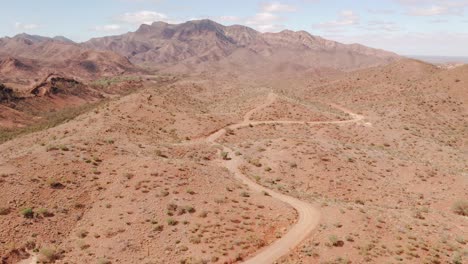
(205,42)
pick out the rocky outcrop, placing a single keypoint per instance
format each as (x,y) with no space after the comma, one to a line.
(6,94)
(55,84)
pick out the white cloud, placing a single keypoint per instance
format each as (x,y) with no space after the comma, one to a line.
(434,7)
(378,25)
(345,18)
(439,21)
(142,17)
(277,7)
(22,26)
(228,19)
(268,19)
(381,11)
(430,11)
(108,28)
(262,18)
(265,21)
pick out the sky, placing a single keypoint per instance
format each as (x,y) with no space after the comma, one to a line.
(408,27)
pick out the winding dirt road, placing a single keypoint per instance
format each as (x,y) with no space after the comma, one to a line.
(309,216)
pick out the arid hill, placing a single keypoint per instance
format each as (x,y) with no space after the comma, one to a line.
(50,74)
(24,58)
(204,44)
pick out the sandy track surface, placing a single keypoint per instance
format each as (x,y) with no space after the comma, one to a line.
(309,216)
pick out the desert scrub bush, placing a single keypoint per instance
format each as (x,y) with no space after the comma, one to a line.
(108,81)
(82,233)
(27,213)
(54,183)
(172,222)
(195,240)
(203,214)
(190,209)
(64,148)
(225,155)
(4,210)
(229,131)
(44,212)
(461,207)
(172,207)
(418,214)
(83,245)
(460,240)
(52,148)
(158,228)
(103,261)
(181,211)
(335,241)
(159,153)
(255,162)
(457,259)
(48,255)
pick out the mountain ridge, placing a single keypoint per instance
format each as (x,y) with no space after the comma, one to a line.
(205,42)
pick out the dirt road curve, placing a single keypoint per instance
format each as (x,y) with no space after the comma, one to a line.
(309,216)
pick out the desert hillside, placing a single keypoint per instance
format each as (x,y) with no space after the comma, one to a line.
(377,155)
(25,58)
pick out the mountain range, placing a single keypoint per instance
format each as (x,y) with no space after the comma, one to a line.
(205,42)
(189,47)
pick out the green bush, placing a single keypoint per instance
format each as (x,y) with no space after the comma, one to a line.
(27,213)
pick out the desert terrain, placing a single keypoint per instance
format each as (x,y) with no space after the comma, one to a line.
(200,143)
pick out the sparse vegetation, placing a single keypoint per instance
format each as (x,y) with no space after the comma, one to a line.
(104,261)
(54,183)
(51,119)
(108,81)
(82,233)
(44,212)
(225,155)
(4,210)
(335,241)
(172,222)
(48,255)
(27,213)
(461,207)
